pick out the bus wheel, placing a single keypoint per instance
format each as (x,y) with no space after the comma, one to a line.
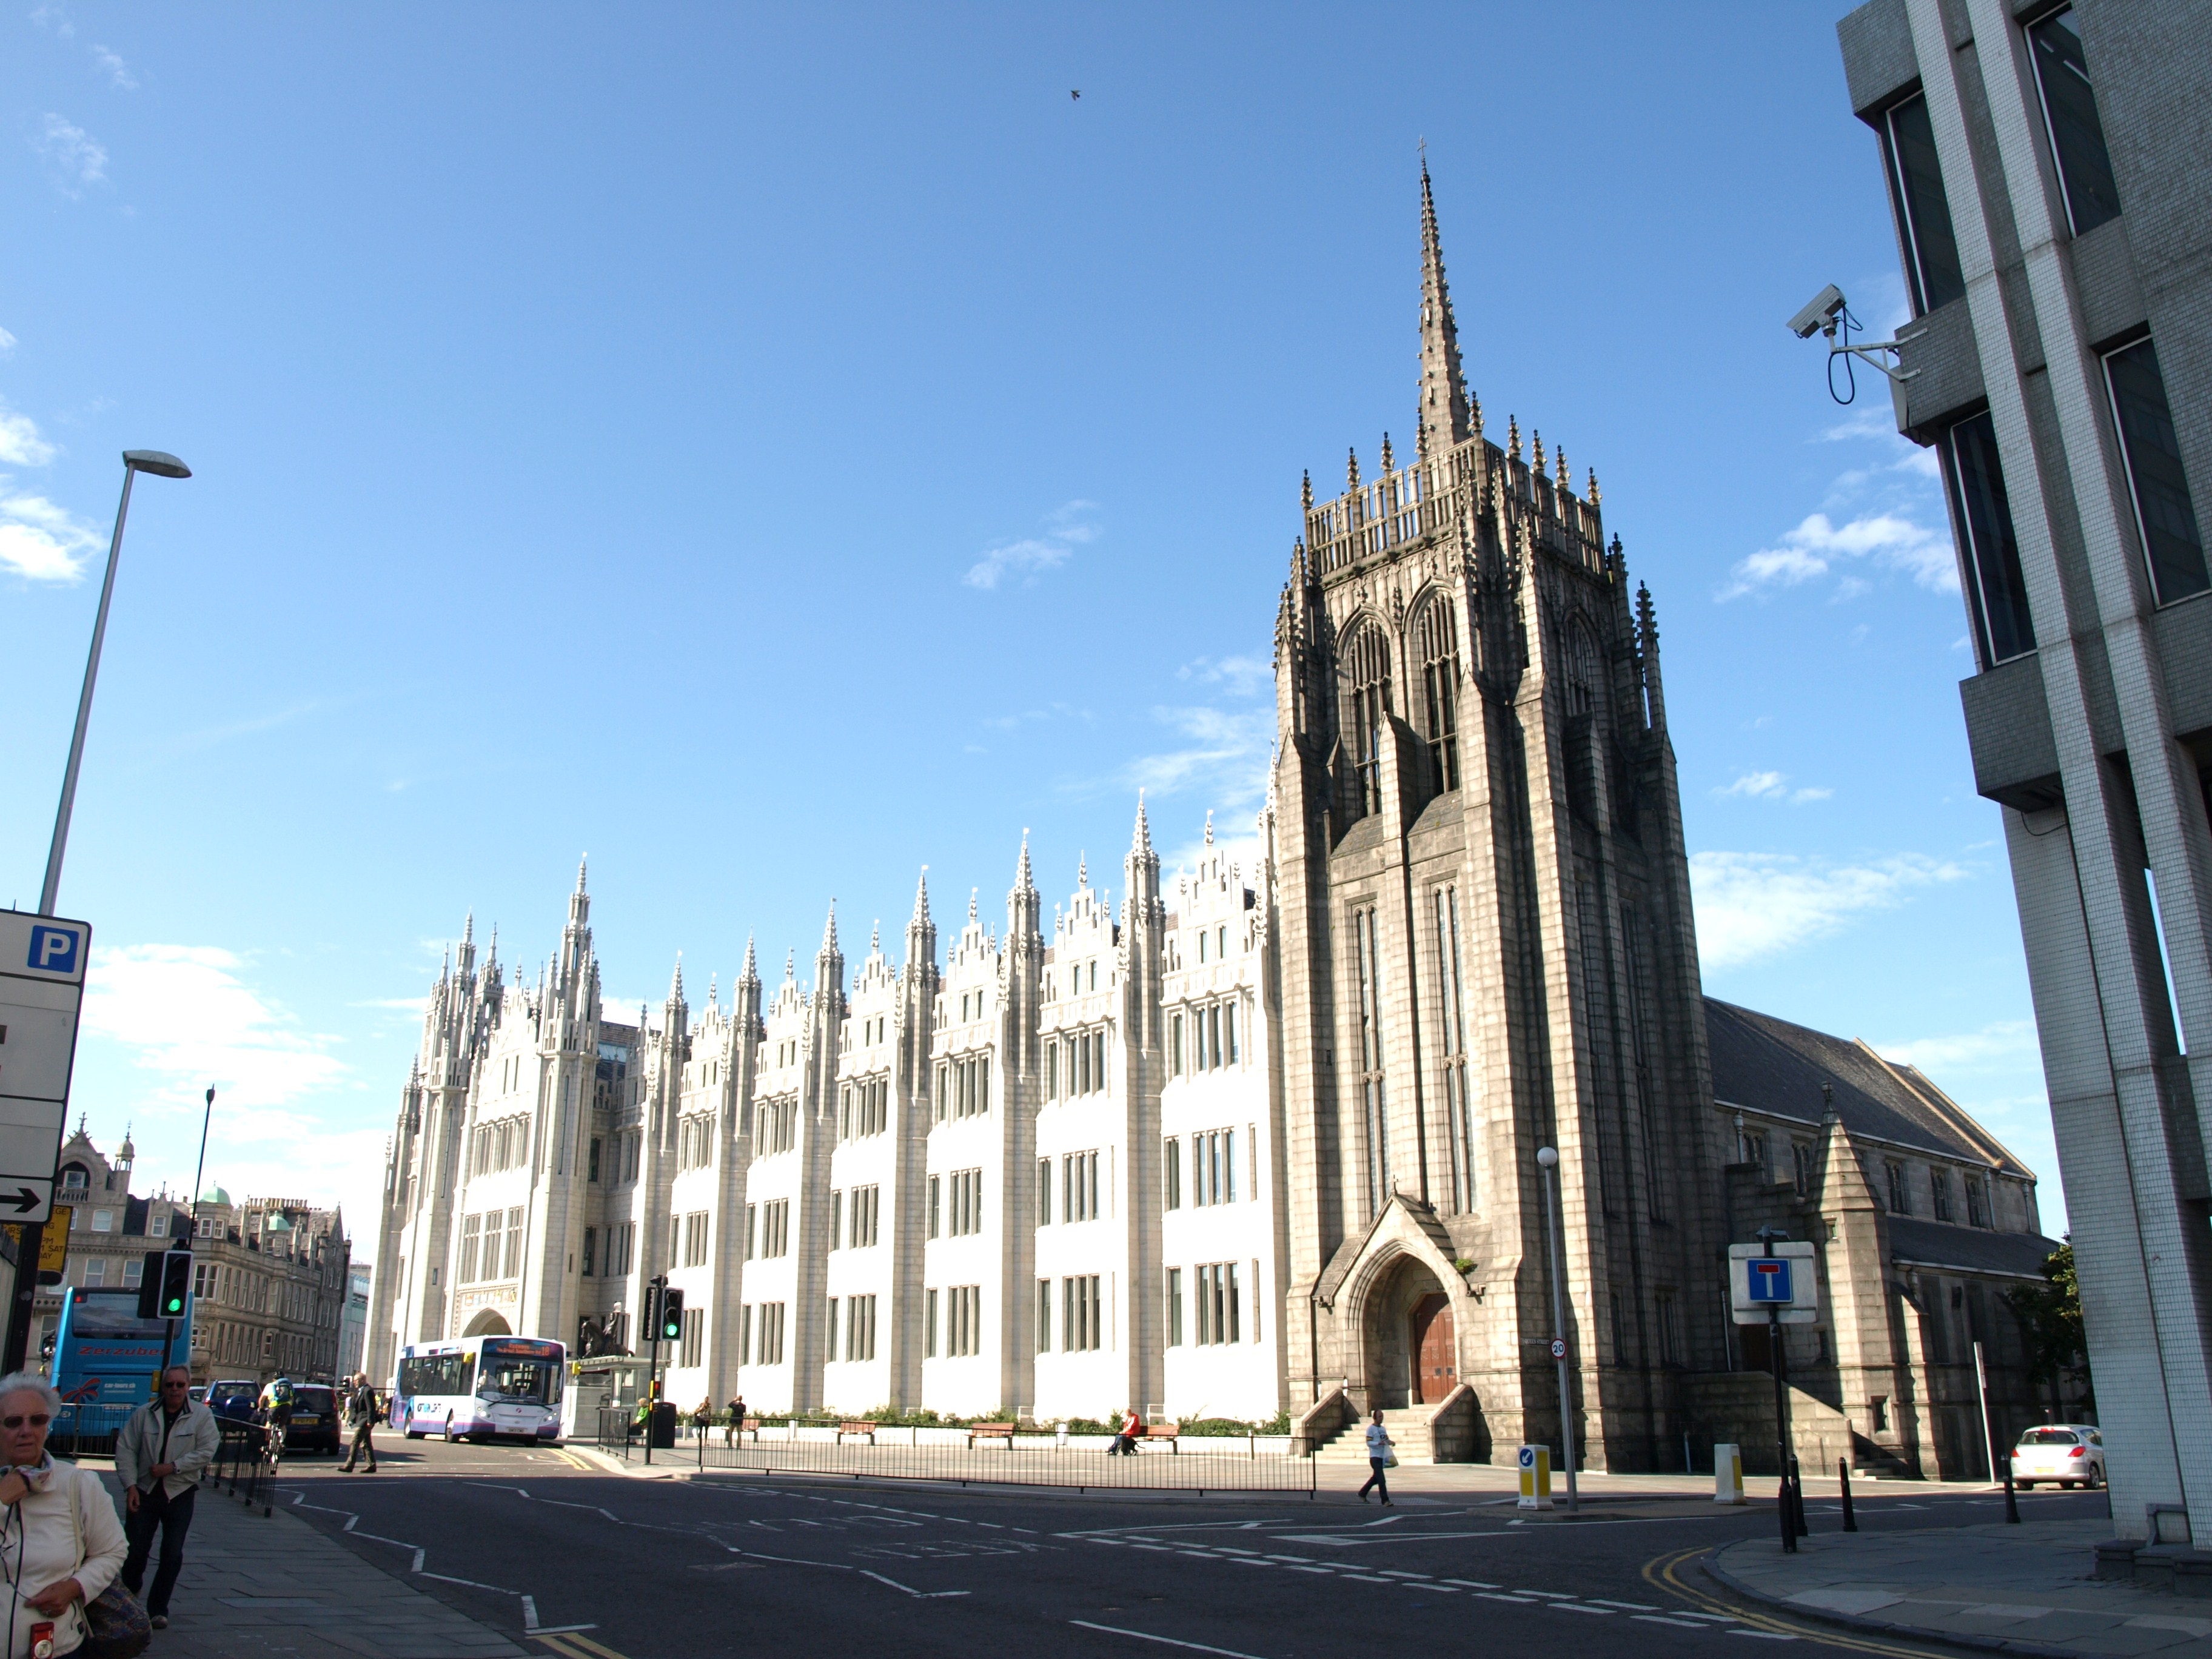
(416,1434)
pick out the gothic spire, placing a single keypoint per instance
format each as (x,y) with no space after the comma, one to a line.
(1142,842)
(1209,827)
(790,964)
(875,937)
(581,862)
(830,930)
(1443,388)
(921,898)
(752,964)
(676,984)
(1023,884)
(1082,869)
(972,891)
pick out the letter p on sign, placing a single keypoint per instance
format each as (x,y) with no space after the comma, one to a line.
(53,949)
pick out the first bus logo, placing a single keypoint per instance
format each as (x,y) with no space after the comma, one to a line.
(53,949)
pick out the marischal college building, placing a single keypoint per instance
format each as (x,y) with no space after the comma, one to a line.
(1263,1140)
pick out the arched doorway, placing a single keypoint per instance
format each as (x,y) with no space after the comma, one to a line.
(1409,1337)
(1435,1352)
(488,1323)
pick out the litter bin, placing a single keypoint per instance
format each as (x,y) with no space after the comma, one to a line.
(664,1425)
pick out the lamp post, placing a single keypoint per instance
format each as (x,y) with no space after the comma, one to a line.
(134,461)
(1547,1163)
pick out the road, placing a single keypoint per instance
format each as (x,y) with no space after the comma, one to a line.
(539,1543)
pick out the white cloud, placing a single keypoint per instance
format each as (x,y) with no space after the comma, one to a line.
(1066,528)
(1754,905)
(1772,785)
(20,442)
(188,1018)
(2003,1046)
(1242,675)
(51,16)
(74,159)
(1226,750)
(118,72)
(1818,544)
(6,342)
(40,542)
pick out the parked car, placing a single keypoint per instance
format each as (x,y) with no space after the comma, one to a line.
(2063,1454)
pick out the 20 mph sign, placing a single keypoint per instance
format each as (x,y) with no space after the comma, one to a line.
(42,961)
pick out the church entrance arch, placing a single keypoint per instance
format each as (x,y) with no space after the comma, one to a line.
(1410,1337)
(488,1323)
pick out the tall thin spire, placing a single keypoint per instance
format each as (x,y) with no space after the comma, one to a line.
(1443,387)
(1023,884)
(753,963)
(830,929)
(921,896)
(581,862)
(1142,842)
(676,985)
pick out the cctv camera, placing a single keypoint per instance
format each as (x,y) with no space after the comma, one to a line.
(1820,311)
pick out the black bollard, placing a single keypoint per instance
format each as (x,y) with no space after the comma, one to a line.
(2012,1503)
(1798,1498)
(1844,1470)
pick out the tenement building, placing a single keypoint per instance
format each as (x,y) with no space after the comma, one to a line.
(2049,170)
(1254,1141)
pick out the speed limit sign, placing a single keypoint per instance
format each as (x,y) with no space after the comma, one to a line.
(1558,1347)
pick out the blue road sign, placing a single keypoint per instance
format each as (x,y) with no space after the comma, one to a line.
(1769,1279)
(53,949)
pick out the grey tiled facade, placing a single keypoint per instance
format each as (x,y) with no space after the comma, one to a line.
(2072,325)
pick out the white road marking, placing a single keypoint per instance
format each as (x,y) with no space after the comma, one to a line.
(1659,1619)
(1146,1636)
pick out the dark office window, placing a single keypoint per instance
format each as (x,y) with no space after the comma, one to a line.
(1924,212)
(2163,512)
(1999,599)
(2070,111)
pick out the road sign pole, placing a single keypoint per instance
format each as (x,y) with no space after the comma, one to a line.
(16,1346)
(84,707)
(1781,1433)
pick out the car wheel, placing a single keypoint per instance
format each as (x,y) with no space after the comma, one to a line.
(2096,1480)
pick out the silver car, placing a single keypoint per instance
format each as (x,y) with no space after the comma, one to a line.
(2062,1453)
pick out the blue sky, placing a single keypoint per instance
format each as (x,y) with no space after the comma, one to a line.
(771,450)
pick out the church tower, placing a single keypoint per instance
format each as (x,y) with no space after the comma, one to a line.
(1483,945)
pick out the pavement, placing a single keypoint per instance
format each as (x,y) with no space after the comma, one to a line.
(256,1584)
(2023,1589)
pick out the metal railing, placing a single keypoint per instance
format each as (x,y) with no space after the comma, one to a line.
(87,1429)
(1194,1463)
(242,1465)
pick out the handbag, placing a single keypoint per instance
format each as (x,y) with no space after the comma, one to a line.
(1391,1460)
(115,1625)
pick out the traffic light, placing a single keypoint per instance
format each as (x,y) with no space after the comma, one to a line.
(164,1283)
(671,1314)
(651,1321)
(176,1283)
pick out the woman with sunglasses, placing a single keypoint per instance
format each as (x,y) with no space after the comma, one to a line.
(60,1543)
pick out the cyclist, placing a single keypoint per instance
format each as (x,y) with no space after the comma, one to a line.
(277,1402)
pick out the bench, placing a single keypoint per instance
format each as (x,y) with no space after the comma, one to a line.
(868,1429)
(990,1432)
(1170,1432)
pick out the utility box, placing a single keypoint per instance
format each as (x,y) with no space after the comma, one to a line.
(662,1429)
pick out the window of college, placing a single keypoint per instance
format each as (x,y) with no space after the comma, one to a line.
(1081,1328)
(1075,1064)
(964,1087)
(1212,1028)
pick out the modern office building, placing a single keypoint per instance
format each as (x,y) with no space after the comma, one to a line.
(2050,169)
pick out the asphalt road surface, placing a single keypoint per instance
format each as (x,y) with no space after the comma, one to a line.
(540,1544)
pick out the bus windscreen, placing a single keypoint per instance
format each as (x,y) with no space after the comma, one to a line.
(530,1374)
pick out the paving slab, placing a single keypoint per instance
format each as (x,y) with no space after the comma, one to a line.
(256,1585)
(2023,1589)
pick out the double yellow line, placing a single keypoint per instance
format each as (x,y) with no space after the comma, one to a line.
(1663,1573)
(576,1646)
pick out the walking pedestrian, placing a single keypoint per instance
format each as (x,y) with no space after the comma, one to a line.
(361,1414)
(1379,1458)
(736,1427)
(164,1448)
(65,1538)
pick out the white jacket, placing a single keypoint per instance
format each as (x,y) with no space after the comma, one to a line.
(193,1441)
(67,1531)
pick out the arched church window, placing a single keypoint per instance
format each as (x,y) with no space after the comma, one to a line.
(1436,643)
(1367,665)
(1584,671)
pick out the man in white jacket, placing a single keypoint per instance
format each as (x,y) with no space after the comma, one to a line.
(164,1448)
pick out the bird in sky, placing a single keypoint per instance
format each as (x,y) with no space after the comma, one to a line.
(1072,94)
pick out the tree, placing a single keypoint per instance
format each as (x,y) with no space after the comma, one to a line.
(2051,1322)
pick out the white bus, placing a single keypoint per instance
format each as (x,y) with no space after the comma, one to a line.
(482,1387)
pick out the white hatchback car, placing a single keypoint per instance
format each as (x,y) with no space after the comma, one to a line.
(2062,1453)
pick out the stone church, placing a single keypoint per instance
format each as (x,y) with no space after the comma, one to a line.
(1260,1142)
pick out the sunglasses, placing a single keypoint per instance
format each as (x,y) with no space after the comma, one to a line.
(36,1419)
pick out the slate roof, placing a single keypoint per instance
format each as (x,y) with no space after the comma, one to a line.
(1764,1064)
(1977,1249)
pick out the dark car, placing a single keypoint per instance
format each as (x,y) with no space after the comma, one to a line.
(314,1418)
(233,1401)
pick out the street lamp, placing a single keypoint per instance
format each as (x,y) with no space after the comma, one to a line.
(134,461)
(1547,1163)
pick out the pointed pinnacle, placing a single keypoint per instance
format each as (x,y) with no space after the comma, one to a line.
(753,966)
(790,961)
(875,936)
(468,933)
(1594,498)
(1386,451)
(1143,840)
(922,897)
(580,863)
(1083,870)
(676,985)
(1352,469)
(830,930)
(1209,828)
(1305,492)
(972,891)
(1022,882)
